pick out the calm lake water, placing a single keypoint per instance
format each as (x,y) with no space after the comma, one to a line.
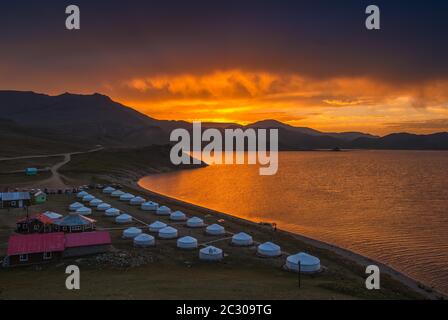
(388,205)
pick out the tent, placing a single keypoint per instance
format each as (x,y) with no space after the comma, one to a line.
(108,190)
(117,194)
(308,263)
(156,226)
(126,197)
(95,202)
(137,201)
(269,249)
(131,233)
(210,253)
(150,206)
(112,212)
(123,218)
(163,211)
(195,222)
(242,239)
(178,216)
(187,243)
(144,240)
(168,233)
(75,206)
(103,206)
(215,230)
(53,215)
(88,198)
(81,194)
(84,211)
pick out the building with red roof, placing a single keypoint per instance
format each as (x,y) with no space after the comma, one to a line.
(86,243)
(45,247)
(35,248)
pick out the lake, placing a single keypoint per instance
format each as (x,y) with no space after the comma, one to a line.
(391,206)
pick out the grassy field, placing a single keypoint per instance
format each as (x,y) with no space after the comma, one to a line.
(153,159)
(176,274)
(13,180)
(7,166)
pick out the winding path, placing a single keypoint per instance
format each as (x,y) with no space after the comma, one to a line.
(55,181)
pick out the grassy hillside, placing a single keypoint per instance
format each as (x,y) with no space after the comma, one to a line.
(153,159)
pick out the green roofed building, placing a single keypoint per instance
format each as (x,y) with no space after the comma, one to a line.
(40,197)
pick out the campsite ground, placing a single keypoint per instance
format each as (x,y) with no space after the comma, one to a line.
(169,273)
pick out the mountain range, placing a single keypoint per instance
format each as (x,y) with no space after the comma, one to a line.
(29,118)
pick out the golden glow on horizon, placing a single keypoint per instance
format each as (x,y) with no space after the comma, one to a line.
(338,104)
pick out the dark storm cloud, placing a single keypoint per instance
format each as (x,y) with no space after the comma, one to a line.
(317,39)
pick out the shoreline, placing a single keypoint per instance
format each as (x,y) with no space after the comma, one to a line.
(358,259)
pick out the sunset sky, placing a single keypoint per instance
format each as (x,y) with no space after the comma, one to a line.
(306,63)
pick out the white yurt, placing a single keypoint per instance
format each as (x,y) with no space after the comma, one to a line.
(156,226)
(88,198)
(187,243)
(117,194)
(136,201)
(84,211)
(112,212)
(123,218)
(168,233)
(211,253)
(242,239)
(95,202)
(269,249)
(215,230)
(131,233)
(81,194)
(108,190)
(178,216)
(150,206)
(163,211)
(195,222)
(75,206)
(126,197)
(308,263)
(52,215)
(144,240)
(103,206)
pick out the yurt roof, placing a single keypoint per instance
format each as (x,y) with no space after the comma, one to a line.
(163,208)
(158,224)
(187,239)
(242,236)
(112,210)
(195,219)
(96,200)
(304,258)
(269,246)
(82,193)
(128,195)
(211,250)
(117,192)
(138,198)
(83,209)
(150,203)
(104,204)
(133,230)
(178,214)
(76,204)
(124,216)
(110,189)
(168,230)
(144,237)
(215,227)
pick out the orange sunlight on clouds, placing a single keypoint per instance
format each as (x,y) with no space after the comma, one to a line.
(337,104)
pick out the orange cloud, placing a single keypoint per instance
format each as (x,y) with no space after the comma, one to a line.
(336,104)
